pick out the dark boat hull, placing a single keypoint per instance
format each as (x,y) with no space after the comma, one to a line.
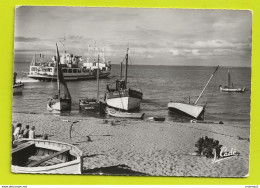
(92,106)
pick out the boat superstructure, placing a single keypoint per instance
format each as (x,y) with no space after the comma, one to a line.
(73,67)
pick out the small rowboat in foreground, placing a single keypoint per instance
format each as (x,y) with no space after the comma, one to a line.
(46,157)
(115,113)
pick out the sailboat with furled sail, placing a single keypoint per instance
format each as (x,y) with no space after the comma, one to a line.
(91,104)
(122,97)
(58,102)
(190,110)
(230,86)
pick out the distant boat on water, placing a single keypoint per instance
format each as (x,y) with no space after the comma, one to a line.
(17,86)
(58,102)
(190,110)
(230,87)
(121,96)
(46,157)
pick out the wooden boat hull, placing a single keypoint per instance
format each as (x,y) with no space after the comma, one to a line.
(18,88)
(188,110)
(114,113)
(72,160)
(62,105)
(232,89)
(92,106)
(126,100)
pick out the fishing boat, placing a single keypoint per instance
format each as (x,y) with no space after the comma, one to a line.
(120,114)
(121,96)
(58,102)
(17,86)
(46,157)
(230,86)
(188,109)
(73,67)
(91,104)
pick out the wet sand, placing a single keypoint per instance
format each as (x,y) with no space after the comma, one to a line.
(146,147)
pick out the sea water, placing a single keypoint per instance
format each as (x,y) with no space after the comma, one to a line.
(159,84)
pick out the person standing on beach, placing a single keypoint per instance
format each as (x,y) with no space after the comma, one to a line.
(26,131)
(17,131)
(32,133)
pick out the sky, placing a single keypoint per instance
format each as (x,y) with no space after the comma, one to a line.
(154,36)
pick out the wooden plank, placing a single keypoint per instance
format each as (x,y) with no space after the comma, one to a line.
(36,163)
(22,147)
(37,158)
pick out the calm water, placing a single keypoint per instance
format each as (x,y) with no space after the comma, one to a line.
(160,84)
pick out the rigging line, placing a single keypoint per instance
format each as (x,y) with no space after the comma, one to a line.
(135,78)
(122,64)
(212,90)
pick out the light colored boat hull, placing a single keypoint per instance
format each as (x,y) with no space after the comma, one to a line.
(193,111)
(124,103)
(115,113)
(71,167)
(67,77)
(59,106)
(232,89)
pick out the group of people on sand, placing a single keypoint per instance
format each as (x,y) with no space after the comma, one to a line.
(27,132)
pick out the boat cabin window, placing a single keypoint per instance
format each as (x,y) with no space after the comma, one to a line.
(79,70)
(33,69)
(64,70)
(69,70)
(55,70)
(74,70)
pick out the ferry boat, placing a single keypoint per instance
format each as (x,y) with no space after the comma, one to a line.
(73,67)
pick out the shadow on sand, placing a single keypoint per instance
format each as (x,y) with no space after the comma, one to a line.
(120,170)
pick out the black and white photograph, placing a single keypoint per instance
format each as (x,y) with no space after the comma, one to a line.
(131,91)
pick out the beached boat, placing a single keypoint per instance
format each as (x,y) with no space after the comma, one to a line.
(230,87)
(116,113)
(58,102)
(190,110)
(121,96)
(17,86)
(46,157)
(91,104)
(73,67)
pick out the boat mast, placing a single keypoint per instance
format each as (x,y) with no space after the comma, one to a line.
(206,85)
(58,71)
(229,80)
(121,70)
(98,78)
(126,66)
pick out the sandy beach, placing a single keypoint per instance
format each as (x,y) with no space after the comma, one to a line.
(146,147)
